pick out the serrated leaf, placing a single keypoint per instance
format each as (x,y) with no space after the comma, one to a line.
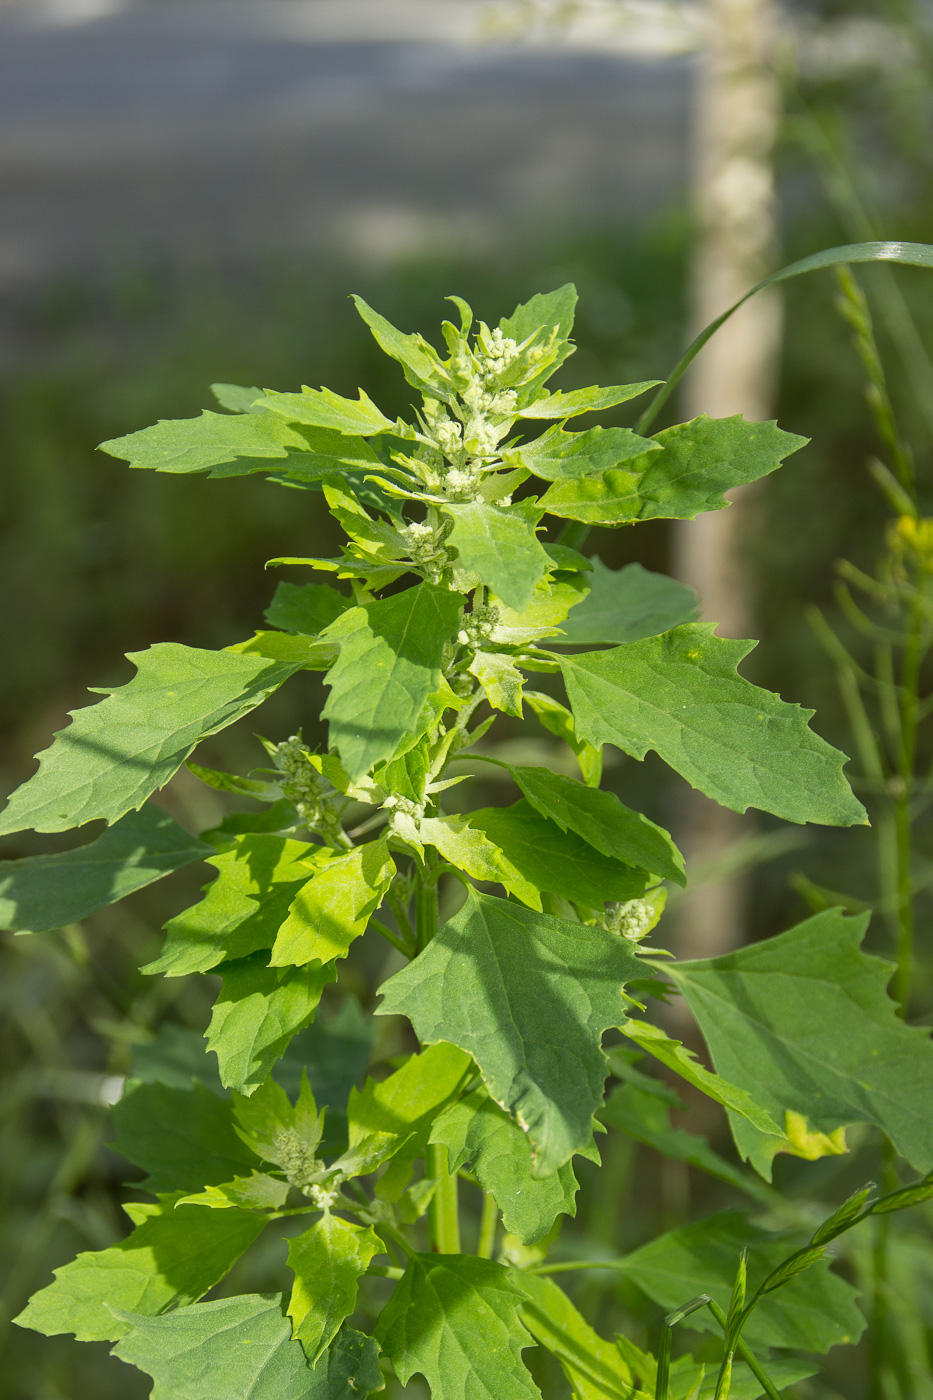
(304,653)
(803,1023)
(272,1127)
(173,1257)
(183,1138)
(560,862)
(176,1056)
(219,444)
(571,404)
(390,659)
(334,907)
(322,408)
(499,545)
(258,1191)
(594,1367)
(417,358)
(528,996)
(387,1115)
(815,1312)
(645,1118)
(238,398)
(306,607)
(625,605)
(232,1349)
(553,311)
(243,909)
(472,851)
(701,459)
(681,696)
(475,1130)
(49,891)
(684,1063)
(116,753)
(334,1053)
(257,1012)
(697,462)
(500,679)
(327,1261)
(456,1320)
(557,455)
(544,616)
(602,820)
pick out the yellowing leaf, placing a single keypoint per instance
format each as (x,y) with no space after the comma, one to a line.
(334,907)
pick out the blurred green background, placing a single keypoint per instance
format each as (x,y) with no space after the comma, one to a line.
(97,561)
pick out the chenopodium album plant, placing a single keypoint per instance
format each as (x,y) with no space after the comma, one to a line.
(449,606)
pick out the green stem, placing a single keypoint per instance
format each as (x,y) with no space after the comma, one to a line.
(384,1271)
(444,1210)
(746,1354)
(425,910)
(575,1264)
(487,1226)
(390,937)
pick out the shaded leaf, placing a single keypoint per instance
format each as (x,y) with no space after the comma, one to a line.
(306,607)
(528,996)
(475,1130)
(625,605)
(456,1320)
(499,545)
(327,1262)
(594,1367)
(680,695)
(116,753)
(501,680)
(172,1257)
(390,662)
(602,820)
(183,1139)
(814,1312)
(44,892)
(257,1011)
(557,861)
(803,1023)
(243,909)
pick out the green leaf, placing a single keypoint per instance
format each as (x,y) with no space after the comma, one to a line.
(417,358)
(173,1257)
(683,1062)
(257,1011)
(602,820)
(471,850)
(44,892)
(348,1369)
(258,1191)
(387,1115)
(334,907)
(322,408)
(813,1313)
(176,1056)
(243,909)
(306,607)
(499,545)
(184,1139)
(545,614)
(803,1023)
(528,996)
(500,679)
(116,753)
(555,860)
(556,455)
(571,404)
(276,1130)
(475,1130)
(554,311)
(645,1118)
(557,720)
(626,605)
(456,1320)
(218,444)
(232,1349)
(334,1053)
(681,696)
(390,659)
(327,1262)
(238,398)
(701,459)
(594,1367)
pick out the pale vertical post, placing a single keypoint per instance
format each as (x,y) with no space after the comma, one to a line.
(735,121)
